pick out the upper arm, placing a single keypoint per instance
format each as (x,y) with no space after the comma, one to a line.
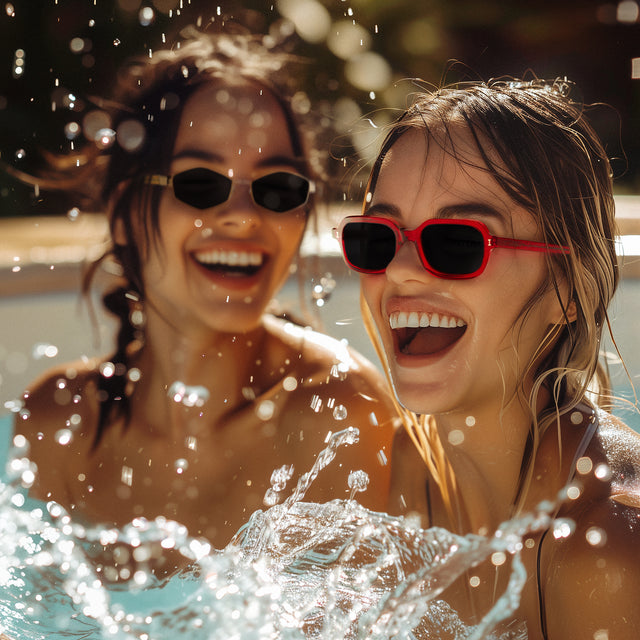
(593,577)
(54,403)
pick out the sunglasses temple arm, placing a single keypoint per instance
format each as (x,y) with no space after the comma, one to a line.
(526,245)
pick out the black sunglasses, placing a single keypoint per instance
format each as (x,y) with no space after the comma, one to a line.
(448,248)
(203,188)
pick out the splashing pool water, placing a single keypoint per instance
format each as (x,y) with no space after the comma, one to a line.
(295,570)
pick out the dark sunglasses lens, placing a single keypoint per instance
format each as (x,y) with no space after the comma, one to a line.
(369,246)
(281,191)
(453,249)
(201,188)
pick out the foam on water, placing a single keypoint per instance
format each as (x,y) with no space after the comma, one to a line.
(295,570)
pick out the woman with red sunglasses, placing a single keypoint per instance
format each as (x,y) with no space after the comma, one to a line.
(487,260)
(208,187)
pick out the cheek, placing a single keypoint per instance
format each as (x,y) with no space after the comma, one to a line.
(372,288)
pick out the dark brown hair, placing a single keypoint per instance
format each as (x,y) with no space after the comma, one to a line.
(144,116)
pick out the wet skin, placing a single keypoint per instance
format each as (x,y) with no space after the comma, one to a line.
(206,326)
(474,383)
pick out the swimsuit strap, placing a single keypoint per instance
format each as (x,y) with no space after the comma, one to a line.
(589,432)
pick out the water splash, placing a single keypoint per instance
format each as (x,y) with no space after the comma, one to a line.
(296,570)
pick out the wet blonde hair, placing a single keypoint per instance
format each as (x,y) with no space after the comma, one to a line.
(536,142)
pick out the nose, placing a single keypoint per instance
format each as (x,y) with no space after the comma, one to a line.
(238,215)
(407,266)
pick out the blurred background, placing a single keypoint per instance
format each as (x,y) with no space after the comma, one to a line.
(59,57)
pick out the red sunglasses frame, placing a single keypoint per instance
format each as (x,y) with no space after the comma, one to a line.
(490,242)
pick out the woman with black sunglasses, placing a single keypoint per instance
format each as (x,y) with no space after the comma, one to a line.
(487,257)
(208,188)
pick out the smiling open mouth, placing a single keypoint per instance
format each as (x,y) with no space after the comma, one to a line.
(238,263)
(425,333)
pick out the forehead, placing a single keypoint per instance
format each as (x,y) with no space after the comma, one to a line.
(447,162)
(242,114)
(428,177)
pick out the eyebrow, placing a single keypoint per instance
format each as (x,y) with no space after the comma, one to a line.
(450,211)
(297,163)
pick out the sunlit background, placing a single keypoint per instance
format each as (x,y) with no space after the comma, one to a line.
(59,55)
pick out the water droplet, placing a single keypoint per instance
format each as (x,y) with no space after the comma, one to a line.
(322,290)
(456,437)
(116,42)
(44,350)
(290,383)
(20,154)
(18,500)
(498,558)
(63,436)
(74,420)
(316,403)
(71,130)
(107,369)
(470,421)
(19,441)
(474,581)
(340,412)
(358,482)
(76,45)
(190,396)
(573,492)
(126,475)
(577,417)
(146,16)
(10,9)
(181,465)
(131,135)
(271,498)
(265,410)
(596,536)
(105,137)
(281,476)
(602,472)
(584,465)
(563,528)
(340,371)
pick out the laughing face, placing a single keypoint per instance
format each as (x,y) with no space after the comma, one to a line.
(216,268)
(456,345)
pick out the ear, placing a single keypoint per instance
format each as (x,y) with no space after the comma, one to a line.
(571,312)
(118,231)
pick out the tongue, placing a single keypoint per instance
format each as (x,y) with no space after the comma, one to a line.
(431,340)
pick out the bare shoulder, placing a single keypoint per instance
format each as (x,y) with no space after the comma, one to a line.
(330,365)
(593,576)
(621,446)
(60,402)
(336,388)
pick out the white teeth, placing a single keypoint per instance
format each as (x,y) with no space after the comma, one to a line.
(402,319)
(230,258)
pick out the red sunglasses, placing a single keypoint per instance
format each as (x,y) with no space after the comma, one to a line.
(448,248)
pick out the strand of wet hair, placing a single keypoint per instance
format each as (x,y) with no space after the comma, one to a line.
(112,381)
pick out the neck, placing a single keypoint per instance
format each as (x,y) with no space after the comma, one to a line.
(185,376)
(486,454)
